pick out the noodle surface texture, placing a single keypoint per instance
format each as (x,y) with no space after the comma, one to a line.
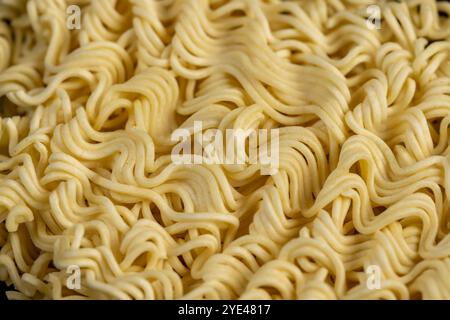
(359,207)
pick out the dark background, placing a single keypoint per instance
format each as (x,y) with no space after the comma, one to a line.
(4,288)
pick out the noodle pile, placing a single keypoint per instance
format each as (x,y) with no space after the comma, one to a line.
(87,180)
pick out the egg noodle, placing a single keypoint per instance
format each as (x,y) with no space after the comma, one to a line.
(359,207)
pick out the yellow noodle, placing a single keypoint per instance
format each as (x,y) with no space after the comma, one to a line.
(87,179)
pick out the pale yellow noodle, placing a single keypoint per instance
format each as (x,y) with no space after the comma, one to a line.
(87,178)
